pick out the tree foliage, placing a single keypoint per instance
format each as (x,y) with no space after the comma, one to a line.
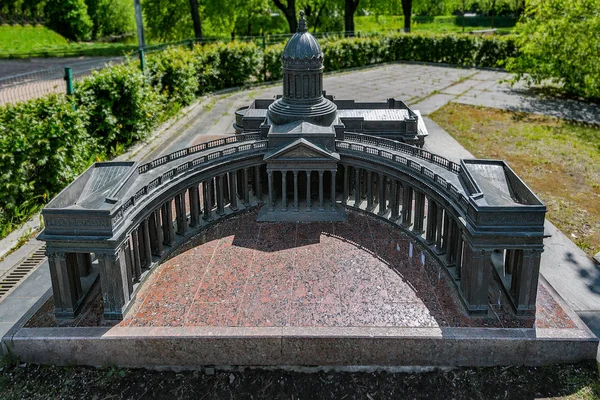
(69,18)
(167,20)
(559,41)
(110,17)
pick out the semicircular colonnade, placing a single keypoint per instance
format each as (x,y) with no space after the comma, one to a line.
(119,225)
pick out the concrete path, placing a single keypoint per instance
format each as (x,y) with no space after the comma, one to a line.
(425,88)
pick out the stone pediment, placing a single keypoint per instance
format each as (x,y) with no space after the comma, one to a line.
(302,149)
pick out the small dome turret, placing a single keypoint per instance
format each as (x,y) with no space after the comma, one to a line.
(302,82)
(302,47)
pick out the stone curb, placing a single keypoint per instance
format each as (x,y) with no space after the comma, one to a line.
(297,346)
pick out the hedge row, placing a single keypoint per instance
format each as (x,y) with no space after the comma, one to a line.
(45,143)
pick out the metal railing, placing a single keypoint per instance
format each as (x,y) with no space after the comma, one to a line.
(142,169)
(403,148)
(205,160)
(438,181)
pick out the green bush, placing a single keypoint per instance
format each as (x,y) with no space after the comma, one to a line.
(354,52)
(271,66)
(559,41)
(238,64)
(463,50)
(173,72)
(44,145)
(122,105)
(69,18)
(207,60)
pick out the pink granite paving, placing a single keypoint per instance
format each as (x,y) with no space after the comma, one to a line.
(355,273)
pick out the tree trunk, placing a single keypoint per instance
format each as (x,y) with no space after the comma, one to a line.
(463,15)
(407,10)
(289,11)
(196,19)
(351,6)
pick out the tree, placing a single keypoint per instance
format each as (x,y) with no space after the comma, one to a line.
(323,13)
(350,9)
(69,18)
(289,11)
(558,42)
(168,19)
(196,19)
(407,11)
(110,17)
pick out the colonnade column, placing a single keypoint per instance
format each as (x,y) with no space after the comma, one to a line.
(439,227)
(257,184)
(382,200)
(475,277)
(194,196)
(233,191)
(458,253)
(245,189)
(308,205)
(295,190)
(369,190)
(321,201)
(419,212)
(333,173)
(524,283)
(271,189)
(156,233)
(431,221)
(126,249)
(452,240)
(180,213)
(283,190)
(136,258)
(346,183)
(407,196)
(66,284)
(395,204)
(115,292)
(207,195)
(220,196)
(146,254)
(356,187)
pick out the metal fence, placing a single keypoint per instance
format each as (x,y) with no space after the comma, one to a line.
(56,79)
(36,84)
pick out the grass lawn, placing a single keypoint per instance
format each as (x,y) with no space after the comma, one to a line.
(18,41)
(559,160)
(372,23)
(579,381)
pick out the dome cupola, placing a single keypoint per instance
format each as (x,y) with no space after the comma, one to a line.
(302,82)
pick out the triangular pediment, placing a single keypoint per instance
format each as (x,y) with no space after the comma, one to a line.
(302,149)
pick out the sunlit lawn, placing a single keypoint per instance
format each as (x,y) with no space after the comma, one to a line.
(21,41)
(372,23)
(559,160)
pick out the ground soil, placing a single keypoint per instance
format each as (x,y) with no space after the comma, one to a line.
(25,381)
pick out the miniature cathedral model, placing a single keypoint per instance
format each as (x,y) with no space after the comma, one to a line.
(302,157)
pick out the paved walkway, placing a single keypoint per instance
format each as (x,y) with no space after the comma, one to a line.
(426,88)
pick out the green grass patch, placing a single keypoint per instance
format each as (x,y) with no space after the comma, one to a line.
(559,160)
(18,41)
(441,24)
(19,38)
